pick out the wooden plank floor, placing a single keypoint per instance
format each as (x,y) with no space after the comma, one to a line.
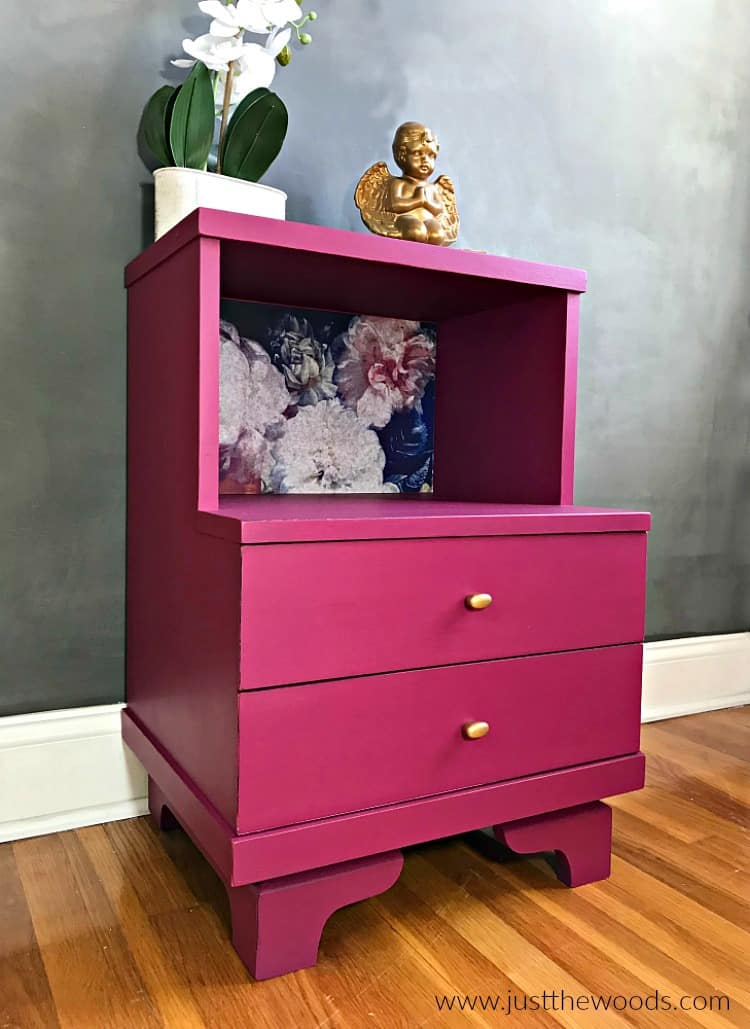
(116,926)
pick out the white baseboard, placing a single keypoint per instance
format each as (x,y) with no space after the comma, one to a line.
(699,673)
(66,769)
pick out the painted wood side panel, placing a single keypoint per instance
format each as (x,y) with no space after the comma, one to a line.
(500,417)
(183,587)
(180,796)
(570,392)
(315,611)
(318,750)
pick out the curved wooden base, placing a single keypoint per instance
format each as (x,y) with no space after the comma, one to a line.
(581,838)
(277,925)
(278,919)
(158,808)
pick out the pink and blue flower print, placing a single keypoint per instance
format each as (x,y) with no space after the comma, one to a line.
(322,402)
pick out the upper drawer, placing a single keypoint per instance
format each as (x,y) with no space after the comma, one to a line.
(312,751)
(315,611)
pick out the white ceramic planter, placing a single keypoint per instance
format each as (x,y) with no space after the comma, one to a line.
(178,191)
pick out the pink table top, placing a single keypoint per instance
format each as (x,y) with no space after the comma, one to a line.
(298,518)
(359,246)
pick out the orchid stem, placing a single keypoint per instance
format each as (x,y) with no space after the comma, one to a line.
(225,111)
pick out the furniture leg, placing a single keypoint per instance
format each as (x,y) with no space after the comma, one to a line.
(581,838)
(161,815)
(277,924)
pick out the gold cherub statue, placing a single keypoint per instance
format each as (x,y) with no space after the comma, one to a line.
(410,207)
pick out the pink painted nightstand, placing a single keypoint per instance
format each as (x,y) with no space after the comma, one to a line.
(309,687)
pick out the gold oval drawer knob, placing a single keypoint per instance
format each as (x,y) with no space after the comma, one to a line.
(478,601)
(475,730)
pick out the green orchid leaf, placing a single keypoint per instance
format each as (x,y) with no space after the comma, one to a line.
(239,113)
(258,130)
(168,121)
(191,130)
(155,125)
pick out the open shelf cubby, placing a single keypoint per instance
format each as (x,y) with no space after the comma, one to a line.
(500,389)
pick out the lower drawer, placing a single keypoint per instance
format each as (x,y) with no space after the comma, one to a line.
(327,748)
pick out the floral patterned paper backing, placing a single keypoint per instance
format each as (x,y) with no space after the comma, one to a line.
(322,402)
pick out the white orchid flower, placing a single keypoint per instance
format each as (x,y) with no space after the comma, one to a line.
(233,19)
(253,65)
(258,16)
(256,66)
(278,39)
(215,52)
(280,12)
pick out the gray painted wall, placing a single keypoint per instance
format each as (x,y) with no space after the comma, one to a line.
(608,134)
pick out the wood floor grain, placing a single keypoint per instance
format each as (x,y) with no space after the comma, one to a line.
(117,925)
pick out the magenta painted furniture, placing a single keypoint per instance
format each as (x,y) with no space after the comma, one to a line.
(306,680)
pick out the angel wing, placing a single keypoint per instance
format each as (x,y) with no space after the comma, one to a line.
(449,219)
(371,196)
